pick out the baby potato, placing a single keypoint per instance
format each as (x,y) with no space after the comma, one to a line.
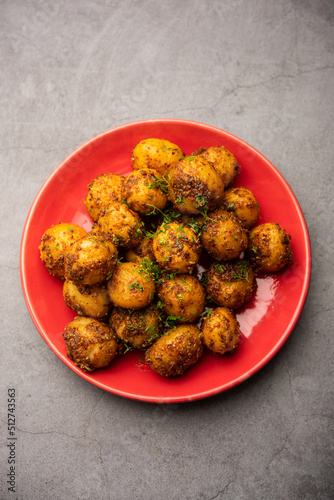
(125,225)
(176,351)
(269,247)
(142,251)
(223,236)
(182,297)
(54,244)
(194,185)
(92,301)
(154,153)
(137,328)
(90,343)
(130,287)
(101,191)
(230,284)
(242,202)
(176,248)
(221,331)
(223,160)
(91,260)
(145,190)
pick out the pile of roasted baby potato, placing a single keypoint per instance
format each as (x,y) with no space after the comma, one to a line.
(173,253)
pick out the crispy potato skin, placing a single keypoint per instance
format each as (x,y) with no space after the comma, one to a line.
(176,248)
(54,245)
(224,237)
(194,185)
(142,191)
(158,154)
(230,284)
(223,160)
(90,343)
(176,351)
(101,191)
(142,251)
(269,248)
(242,202)
(136,328)
(183,297)
(123,224)
(92,301)
(91,260)
(129,287)
(221,331)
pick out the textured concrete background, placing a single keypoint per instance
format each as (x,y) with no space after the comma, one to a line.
(260,69)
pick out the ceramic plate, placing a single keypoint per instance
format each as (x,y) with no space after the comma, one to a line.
(266,322)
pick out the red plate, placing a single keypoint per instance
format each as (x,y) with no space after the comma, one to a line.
(266,322)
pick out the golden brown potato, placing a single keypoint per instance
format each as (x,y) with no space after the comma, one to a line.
(221,330)
(125,225)
(54,245)
(176,248)
(142,251)
(137,328)
(194,185)
(145,191)
(101,191)
(230,284)
(154,153)
(90,343)
(176,351)
(129,287)
(91,260)
(92,301)
(269,247)
(182,297)
(223,236)
(242,202)
(223,160)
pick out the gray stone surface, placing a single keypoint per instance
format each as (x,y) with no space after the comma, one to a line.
(264,71)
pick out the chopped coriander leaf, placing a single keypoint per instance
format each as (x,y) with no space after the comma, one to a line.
(173,320)
(206,313)
(136,285)
(127,348)
(159,183)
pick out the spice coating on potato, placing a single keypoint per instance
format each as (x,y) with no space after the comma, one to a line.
(269,247)
(130,287)
(91,260)
(101,191)
(223,160)
(242,202)
(142,251)
(223,236)
(144,191)
(176,351)
(158,154)
(90,343)
(221,331)
(137,328)
(194,185)
(182,297)
(125,225)
(54,244)
(92,301)
(230,284)
(176,248)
